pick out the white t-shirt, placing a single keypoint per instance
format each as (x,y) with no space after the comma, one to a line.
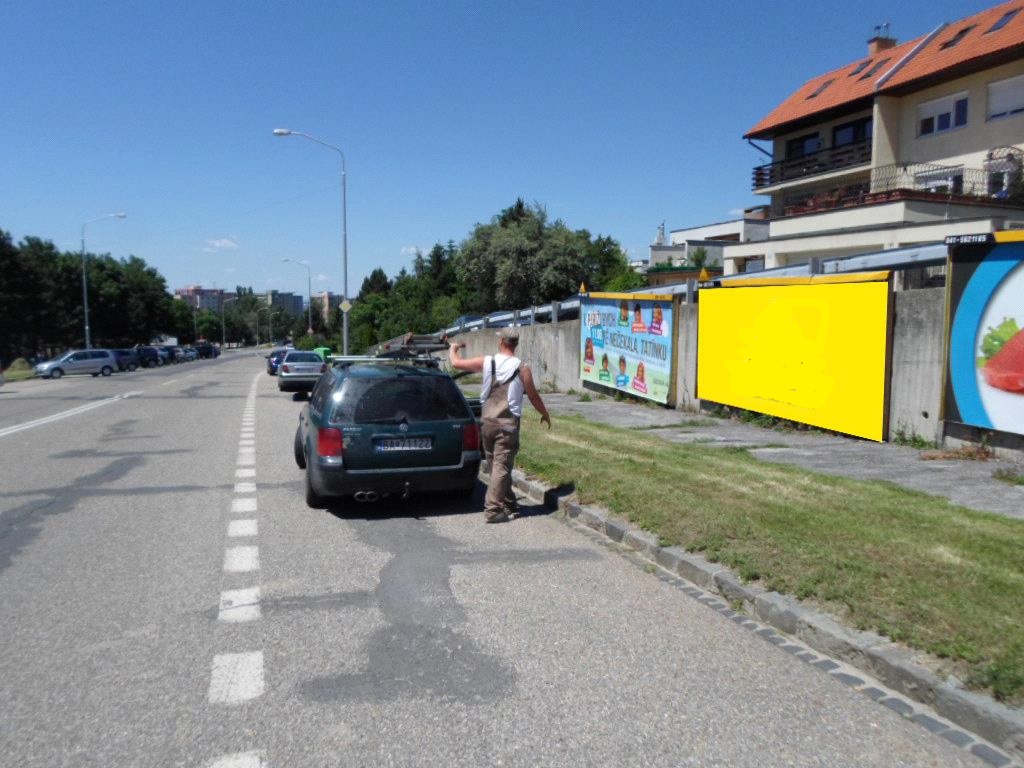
(503,368)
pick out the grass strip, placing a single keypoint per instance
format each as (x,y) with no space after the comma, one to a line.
(910,566)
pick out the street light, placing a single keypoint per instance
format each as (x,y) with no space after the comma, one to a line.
(270,324)
(85,279)
(223,336)
(344,232)
(309,290)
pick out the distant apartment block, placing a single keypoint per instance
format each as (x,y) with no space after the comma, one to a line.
(202,298)
(909,143)
(329,303)
(290,303)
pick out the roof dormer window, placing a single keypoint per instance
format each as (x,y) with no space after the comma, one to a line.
(818,91)
(860,67)
(1005,19)
(957,37)
(874,69)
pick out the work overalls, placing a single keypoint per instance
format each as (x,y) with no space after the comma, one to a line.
(501,443)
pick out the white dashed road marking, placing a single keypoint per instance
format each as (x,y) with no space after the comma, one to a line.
(247,504)
(245,473)
(236,677)
(241,760)
(241,559)
(238,528)
(245,487)
(238,605)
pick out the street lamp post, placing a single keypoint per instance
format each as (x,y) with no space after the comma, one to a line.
(223,334)
(344,231)
(85,278)
(309,291)
(270,324)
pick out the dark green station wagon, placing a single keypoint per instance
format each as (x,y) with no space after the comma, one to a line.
(377,427)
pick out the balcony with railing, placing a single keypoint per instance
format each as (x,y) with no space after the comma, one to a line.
(916,181)
(812,164)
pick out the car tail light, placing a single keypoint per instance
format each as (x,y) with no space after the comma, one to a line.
(329,442)
(284,368)
(471,437)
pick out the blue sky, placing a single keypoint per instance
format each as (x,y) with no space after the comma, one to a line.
(615,116)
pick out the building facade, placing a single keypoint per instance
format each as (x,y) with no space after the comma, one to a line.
(909,144)
(202,298)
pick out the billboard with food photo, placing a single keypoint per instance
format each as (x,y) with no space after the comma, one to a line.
(626,343)
(985,360)
(810,349)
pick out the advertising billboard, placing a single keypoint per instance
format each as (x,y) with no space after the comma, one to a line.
(812,349)
(626,343)
(985,360)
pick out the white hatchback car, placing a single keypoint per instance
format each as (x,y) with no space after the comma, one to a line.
(98,362)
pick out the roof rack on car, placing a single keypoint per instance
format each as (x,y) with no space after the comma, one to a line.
(414,349)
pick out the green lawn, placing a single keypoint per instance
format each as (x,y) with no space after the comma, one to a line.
(913,567)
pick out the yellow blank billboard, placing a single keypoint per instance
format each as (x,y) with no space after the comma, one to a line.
(815,353)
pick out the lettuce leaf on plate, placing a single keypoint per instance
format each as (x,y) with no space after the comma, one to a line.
(994,339)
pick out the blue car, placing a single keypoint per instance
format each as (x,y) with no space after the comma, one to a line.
(274,360)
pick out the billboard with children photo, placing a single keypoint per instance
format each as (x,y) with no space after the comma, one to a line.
(626,343)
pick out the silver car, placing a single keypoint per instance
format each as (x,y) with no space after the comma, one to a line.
(299,371)
(95,361)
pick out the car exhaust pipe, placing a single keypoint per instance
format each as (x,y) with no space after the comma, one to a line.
(366,496)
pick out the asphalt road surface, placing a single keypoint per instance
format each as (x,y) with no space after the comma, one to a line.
(167,599)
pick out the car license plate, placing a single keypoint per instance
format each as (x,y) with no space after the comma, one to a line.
(389,444)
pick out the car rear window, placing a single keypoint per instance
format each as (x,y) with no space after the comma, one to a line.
(409,398)
(302,357)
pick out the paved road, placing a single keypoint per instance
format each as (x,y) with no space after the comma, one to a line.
(166,599)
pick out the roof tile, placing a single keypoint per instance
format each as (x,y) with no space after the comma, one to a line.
(955,44)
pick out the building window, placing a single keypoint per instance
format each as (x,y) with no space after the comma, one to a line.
(803,145)
(852,133)
(1004,20)
(860,67)
(874,69)
(942,115)
(820,89)
(957,37)
(1006,97)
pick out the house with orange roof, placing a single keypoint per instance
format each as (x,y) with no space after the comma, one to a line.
(913,142)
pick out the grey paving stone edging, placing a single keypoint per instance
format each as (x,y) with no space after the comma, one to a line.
(891,664)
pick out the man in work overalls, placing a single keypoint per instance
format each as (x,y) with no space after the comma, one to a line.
(506,380)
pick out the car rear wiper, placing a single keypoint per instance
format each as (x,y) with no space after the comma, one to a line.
(385,420)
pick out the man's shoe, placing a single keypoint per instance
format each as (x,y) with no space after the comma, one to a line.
(500,518)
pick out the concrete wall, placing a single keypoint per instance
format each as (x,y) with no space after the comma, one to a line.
(918,359)
(552,350)
(918,348)
(686,358)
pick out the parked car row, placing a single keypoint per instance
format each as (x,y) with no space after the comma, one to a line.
(103,362)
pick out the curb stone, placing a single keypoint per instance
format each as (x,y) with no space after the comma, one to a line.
(890,664)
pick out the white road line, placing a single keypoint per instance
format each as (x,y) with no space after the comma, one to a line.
(169,381)
(246,459)
(245,472)
(254,759)
(241,559)
(238,605)
(245,487)
(246,443)
(247,504)
(65,414)
(238,528)
(236,677)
